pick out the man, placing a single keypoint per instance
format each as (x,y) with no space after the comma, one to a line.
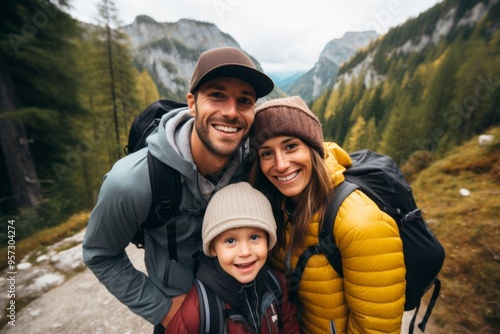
(206,143)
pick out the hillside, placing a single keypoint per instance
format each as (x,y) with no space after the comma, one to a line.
(312,83)
(428,84)
(467,226)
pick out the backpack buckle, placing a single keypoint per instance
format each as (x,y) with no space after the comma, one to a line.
(412,215)
(319,249)
(164,208)
(325,246)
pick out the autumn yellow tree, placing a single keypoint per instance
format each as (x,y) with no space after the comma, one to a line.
(147,91)
(356,135)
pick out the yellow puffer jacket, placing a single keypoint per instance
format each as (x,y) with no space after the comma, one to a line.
(371,297)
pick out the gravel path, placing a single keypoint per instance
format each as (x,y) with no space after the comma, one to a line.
(80,305)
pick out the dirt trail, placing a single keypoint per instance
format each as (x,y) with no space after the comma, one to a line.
(82,305)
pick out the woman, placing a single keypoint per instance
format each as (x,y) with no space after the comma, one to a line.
(298,173)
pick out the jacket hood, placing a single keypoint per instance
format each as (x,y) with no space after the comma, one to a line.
(169,143)
(336,160)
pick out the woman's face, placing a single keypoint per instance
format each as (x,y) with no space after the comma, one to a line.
(286,161)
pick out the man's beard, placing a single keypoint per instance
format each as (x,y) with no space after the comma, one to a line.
(203,134)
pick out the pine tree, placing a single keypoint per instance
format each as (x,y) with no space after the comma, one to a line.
(371,138)
(94,127)
(14,142)
(110,87)
(116,76)
(112,104)
(441,90)
(395,139)
(39,82)
(433,95)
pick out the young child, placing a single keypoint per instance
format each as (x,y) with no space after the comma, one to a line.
(238,231)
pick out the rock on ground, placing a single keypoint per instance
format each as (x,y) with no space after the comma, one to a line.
(80,305)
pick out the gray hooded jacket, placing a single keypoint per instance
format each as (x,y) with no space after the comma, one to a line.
(123,204)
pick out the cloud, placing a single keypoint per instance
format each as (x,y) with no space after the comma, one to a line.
(280,34)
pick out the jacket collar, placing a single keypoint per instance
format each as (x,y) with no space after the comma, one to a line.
(244,298)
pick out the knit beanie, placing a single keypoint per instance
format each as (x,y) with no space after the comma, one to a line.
(237,205)
(287,116)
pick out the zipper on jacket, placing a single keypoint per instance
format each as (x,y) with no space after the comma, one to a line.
(268,301)
(256,316)
(333,329)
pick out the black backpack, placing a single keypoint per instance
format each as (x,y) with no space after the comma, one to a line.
(213,313)
(379,177)
(165,181)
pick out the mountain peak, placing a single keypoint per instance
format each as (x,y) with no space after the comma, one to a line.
(169,50)
(324,72)
(352,35)
(339,50)
(145,19)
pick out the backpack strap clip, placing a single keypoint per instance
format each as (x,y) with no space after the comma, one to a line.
(412,215)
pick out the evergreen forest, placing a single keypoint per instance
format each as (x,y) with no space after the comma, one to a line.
(400,101)
(69,93)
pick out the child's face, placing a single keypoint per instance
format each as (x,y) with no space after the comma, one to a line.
(241,252)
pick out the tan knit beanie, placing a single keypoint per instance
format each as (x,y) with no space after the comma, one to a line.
(287,116)
(237,205)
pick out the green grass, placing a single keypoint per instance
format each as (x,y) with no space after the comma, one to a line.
(468,229)
(46,237)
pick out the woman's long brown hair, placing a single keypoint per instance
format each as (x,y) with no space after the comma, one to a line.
(314,198)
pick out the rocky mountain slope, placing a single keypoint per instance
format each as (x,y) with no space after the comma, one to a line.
(435,33)
(169,51)
(310,85)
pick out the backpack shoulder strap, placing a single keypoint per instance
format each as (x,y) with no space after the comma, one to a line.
(326,243)
(273,286)
(212,317)
(166,192)
(326,236)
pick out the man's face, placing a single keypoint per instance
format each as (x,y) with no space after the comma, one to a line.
(224,111)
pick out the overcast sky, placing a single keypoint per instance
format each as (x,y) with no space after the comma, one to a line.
(283,35)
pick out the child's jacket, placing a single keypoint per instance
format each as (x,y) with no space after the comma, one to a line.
(243,302)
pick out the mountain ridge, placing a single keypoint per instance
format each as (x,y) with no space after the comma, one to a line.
(434,65)
(323,74)
(169,50)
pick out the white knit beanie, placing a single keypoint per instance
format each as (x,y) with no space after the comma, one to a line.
(237,205)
